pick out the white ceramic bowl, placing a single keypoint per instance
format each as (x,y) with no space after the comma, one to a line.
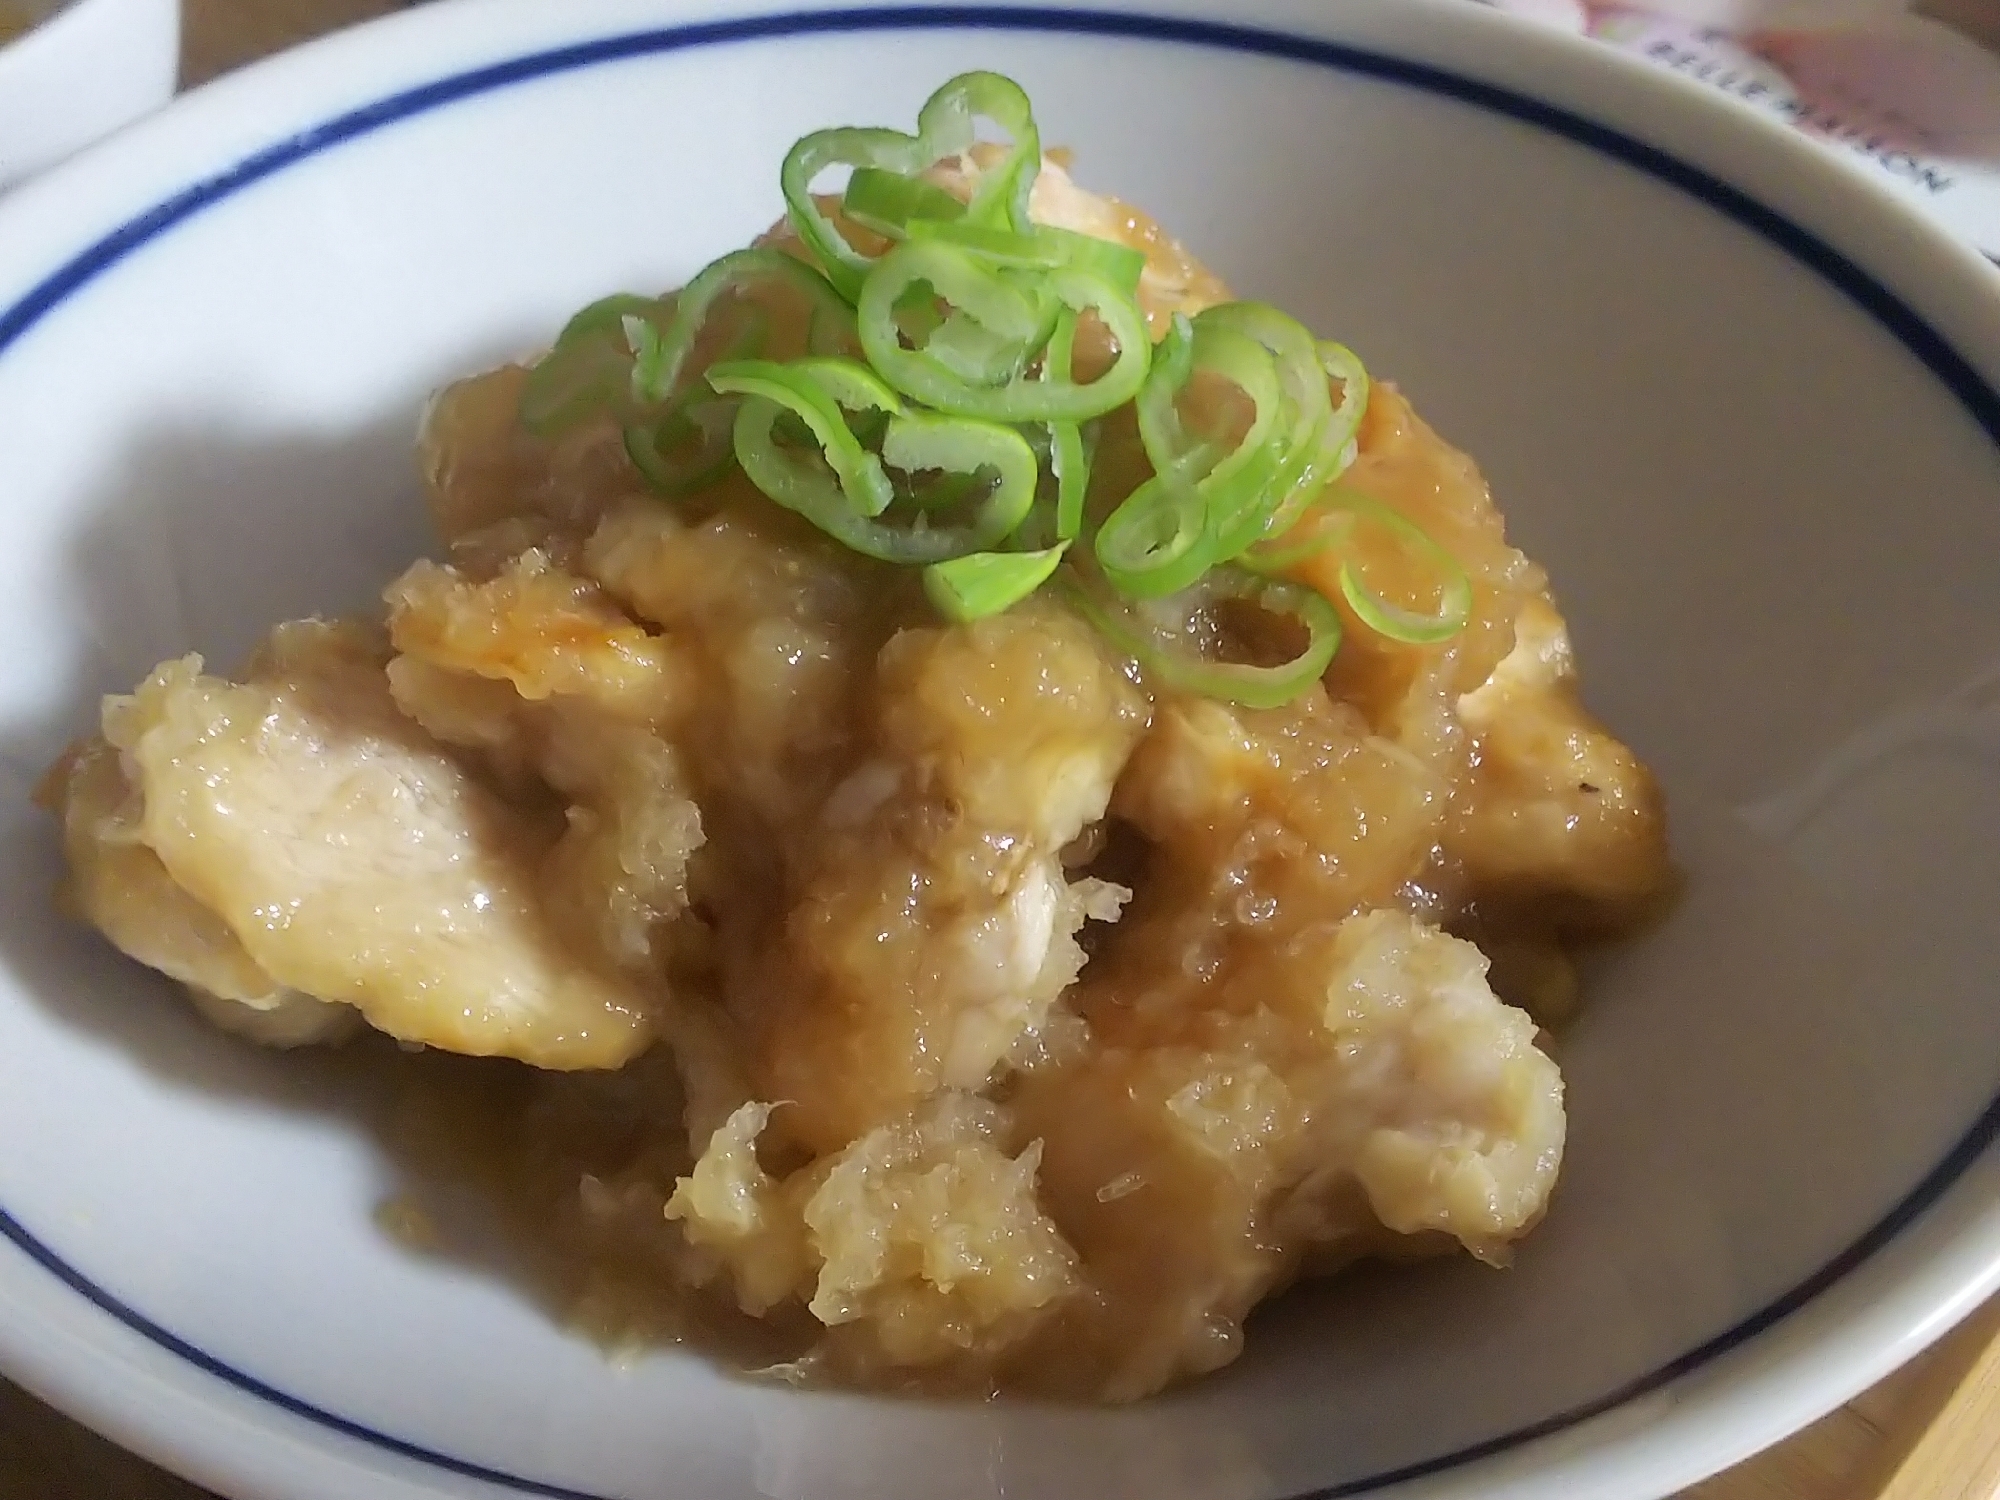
(1742,406)
(85,69)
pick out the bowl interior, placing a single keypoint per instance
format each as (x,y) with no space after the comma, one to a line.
(1775,530)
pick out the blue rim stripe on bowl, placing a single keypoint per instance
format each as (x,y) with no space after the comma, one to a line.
(1979,399)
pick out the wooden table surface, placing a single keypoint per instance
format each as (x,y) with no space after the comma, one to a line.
(1931,1432)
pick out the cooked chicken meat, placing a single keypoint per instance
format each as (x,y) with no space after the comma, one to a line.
(119,883)
(1033,1020)
(327,840)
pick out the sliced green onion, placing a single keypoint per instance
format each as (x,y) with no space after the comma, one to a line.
(985,583)
(977,290)
(650,351)
(1410,627)
(1041,247)
(1290,344)
(816,391)
(1157,541)
(888,150)
(739,271)
(1325,524)
(1333,522)
(1343,364)
(917,441)
(1068,458)
(966,329)
(606,314)
(1001,198)
(944,128)
(1304,381)
(1160,429)
(1197,510)
(957,277)
(1239,492)
(1338,440)
(972,352)
(1118,264)
(815,494)
(1000,247)
(1165,658)
(655,448)
(590,365)
(887,202)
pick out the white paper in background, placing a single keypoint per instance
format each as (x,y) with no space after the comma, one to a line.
(1908,101)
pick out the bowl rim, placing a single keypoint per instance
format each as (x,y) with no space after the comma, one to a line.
(1864,1305)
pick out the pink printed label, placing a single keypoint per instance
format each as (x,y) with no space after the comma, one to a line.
(1910,103)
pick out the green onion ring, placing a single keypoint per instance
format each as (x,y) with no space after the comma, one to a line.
(816,497)
(1196,511)
(887,150)
(1235,682)
(917,441)
(887,202)
(944,128)
(1160,429)
(1332,522)
(650,446)
(1068,458)
(1304,379)
(1343,364)
(1022,399)
(1392,620)
(1238,493)
(1338,441)
(970,351)
(1157,541)
(1000,200)
(817,392)
(1327,522)
(1041,247)
(588,368)
(984,583)
(650,441)
(831,320)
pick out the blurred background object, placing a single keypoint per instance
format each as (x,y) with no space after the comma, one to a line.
(224,34)
(71,73)
(1908,95)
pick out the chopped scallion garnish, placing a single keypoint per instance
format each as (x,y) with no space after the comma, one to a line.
(984,583)
(935,418)
(1172,661)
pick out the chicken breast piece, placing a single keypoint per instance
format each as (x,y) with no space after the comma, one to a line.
(117,882)
(921,1244)
(542,673)
(1428,1090)
(779,627)
(481,467)
(355,860)
(1353,1087)
(1263,821)
(933,924)
(1285,1069)
(1558,810)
